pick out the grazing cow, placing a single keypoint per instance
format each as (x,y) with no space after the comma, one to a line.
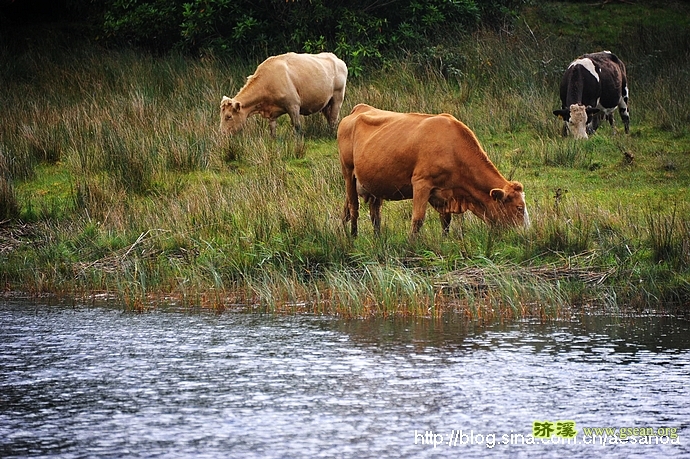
(432,159)
(296,84)
(592,87)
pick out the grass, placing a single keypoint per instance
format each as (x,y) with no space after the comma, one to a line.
(114,179)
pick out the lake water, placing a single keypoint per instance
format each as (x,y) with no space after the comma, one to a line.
(100,382)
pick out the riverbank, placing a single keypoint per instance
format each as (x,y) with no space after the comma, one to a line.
(115,181)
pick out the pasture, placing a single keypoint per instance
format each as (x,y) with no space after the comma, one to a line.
(114,180)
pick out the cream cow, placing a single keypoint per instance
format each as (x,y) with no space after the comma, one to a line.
(296,84)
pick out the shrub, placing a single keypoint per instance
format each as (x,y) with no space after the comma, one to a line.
(360,31)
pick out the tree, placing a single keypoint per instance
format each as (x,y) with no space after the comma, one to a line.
(360,31)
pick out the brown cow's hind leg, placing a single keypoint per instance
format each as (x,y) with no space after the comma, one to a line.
(351,211)
(375,213)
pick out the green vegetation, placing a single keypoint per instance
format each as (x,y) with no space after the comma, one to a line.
(114,179)
(362,32)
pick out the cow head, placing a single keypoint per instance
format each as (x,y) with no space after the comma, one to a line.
(508,206)
(232,117)
(577,118)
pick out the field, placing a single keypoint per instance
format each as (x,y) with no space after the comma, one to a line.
(115,182)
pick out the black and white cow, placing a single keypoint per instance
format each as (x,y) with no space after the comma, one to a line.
(591,89)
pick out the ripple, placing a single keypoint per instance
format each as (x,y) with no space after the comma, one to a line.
(78,382)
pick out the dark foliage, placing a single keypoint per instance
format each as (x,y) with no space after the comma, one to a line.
(360,31)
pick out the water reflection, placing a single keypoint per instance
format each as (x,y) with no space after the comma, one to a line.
(84,382)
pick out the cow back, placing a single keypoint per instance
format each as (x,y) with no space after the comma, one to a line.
(390,150)
(612,77)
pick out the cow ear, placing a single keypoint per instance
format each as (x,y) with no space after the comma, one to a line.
(562,113)
(517,186)
(592,111)
(497,194)
(236,106)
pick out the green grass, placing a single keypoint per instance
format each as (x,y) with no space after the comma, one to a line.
(114,178)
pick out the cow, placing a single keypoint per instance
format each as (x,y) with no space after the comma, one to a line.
(432,159)
(296,84)
(592,87)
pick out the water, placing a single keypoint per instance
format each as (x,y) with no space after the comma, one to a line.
(99,382)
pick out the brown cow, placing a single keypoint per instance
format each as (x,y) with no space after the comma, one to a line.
(296,84)
(432,159)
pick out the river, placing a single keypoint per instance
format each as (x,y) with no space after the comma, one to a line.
(78,381)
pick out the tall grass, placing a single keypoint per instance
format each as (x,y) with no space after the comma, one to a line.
(114,161)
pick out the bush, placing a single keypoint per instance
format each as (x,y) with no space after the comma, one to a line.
(359,31)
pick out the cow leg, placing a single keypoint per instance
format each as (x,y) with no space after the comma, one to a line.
(594,124)
(293,112)
(335,104)
(375,213)
(273,124)
(328,112)
(625,116)
(609,117)
(420,199)
(623,106)
(351,211)
(446,218)
(350,215)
